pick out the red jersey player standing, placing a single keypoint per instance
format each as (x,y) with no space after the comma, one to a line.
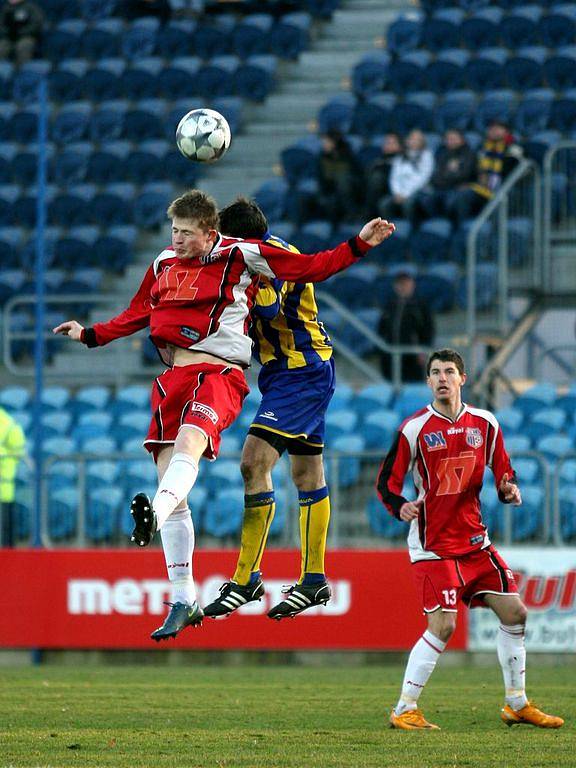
(447,447)
(196,299)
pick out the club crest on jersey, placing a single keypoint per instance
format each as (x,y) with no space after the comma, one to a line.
(435,441)
(474,437)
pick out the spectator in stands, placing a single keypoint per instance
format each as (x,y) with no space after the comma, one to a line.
(454,167)
(136,9)
(195,299)
(406,320)
(12,443)
(21,24)
(338,179)
(411,172)
(498,157)
(377,179)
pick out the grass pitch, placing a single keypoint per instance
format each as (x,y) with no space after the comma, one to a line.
(272,717)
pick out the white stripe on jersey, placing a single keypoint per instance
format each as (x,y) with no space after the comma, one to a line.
(254,260)
(165,254)
(493,421)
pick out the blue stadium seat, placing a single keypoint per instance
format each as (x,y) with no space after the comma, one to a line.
(409,115)
(179,76)
(15,398)
(104,205)
(139,39)
(91,398)
(223,516)
(23,125)
(72,122)
(404,34)
(102,40)
(133,397)
(517,443)
(342,422)
(71,163)
(62,510)
(520,27)
(447,72)
(525,70)
(58,446)
(442,29)
(290,35)
(216,77)
(382,523)
(436,291)
(431,241)
(151,205)
(65,41)
(533,113)
(71,208)
(66,81)
(537,397)
(145,119)
(370,75)
(6,75)
(140,79)
(487,70)
(537,146)
(27,79)
(344,470)
(145,164)
(555,418)
(528,519)
(456,111)
(103,81)
(313,236)
(271,197)
(559,70)
(379,428)
(373,117)
(554,447)
(482,29)
(116,247)
(408,73)
(567,403)
(252,35)
(94,10)
(510,419)
(558,27)
(567,508)
(103,509)
(411,398)
(486,287)
(140,472)
(300,161)
(87,431)
(176,37)
(336,114)
(107,164)
(209,40)
(55,398)
(98,446)
(255,78)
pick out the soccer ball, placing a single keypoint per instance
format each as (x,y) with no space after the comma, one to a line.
(203,135)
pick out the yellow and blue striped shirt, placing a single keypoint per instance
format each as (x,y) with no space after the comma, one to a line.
(286,330)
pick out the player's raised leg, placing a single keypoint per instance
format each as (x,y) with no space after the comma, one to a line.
(312,588)
(258,461)
(512,657)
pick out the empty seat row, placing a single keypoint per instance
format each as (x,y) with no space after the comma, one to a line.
(483,28)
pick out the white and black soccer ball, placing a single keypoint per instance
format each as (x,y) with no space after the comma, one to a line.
(203,135)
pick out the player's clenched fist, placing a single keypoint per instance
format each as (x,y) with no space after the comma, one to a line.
(510,492)
(70,328)
(410,510)
(376,231)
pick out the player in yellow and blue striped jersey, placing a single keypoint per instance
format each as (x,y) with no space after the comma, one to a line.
(297,382)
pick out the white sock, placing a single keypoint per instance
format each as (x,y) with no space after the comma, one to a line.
(178,544)
(512,657)
(421,663)
(175,486)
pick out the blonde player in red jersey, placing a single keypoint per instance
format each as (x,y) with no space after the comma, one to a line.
(447,446)
(196,299)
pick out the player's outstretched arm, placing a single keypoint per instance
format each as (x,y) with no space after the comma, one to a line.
(70,328)
(376,231)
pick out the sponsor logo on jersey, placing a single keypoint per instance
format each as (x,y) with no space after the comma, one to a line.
(190,333)
(435,441)
(205,410)
(455,431)
(268,415)
(476,539)
(474,437)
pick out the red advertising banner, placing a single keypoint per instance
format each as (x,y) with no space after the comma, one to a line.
(114,599)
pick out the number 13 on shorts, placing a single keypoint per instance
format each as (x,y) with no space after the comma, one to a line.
(450,596)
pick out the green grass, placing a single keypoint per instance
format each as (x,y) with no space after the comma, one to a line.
(271,717)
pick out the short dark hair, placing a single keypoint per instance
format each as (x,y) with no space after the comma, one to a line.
(196,206)
(243,218)
(446,356)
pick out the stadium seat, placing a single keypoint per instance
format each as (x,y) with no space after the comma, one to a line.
(179,76)
(370,75)
(252,35)
(567,509)
(313,236)
(58,446)
(133,397)
(290,35)
(486,71)
(99,446)
(373,398)
(115,248)
(344,470)
(103,509)
(114,204)
(103,81)
(342,422)
(537,397)
(140,78)
(482,29)
(300,161)
(107,121)
(533,113)
(520,27)
(525,70)
(71,163)
(271,197)
(223,516)
(442,29)
(447,72)
(63,507)
(177,37)
(72,122)
(408,73)
(11,282)
(510,419)
(215,77)
(404,34)
(71,208)
(456,111)
(558,27)
(373,117)
(139,39)
(559,70)
(145,120)
(102,39)
(411,398)
(409,115)
(64,41)
(209,40)
(382,523)
(529,518)
(336,114)
(151,205)
(517,443)
(255,78)
(23,125)
(15,398)
(431,241)
(145,164)
(379,428)
(554,447)
(27,79)
(537,146)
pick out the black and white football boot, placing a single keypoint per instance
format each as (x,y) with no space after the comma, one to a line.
(144,520)
(233,596)
(299,598)
(180,616)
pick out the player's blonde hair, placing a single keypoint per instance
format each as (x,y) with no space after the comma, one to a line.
(195,205)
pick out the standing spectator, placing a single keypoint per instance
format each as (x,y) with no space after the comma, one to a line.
(454,167)
(12,442)
(497,158)
(406,320)
(378,173)
(21,24)
(137,9)
(338,179)
(410,173)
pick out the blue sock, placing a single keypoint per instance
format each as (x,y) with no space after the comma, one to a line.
(313,578)
(254,576)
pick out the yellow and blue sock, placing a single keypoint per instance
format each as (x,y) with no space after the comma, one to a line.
(314,519)
(258,514)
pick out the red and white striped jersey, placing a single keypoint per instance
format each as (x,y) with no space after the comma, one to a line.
(447,460)
(205,304)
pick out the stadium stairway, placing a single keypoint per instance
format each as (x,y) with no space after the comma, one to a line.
(303,87)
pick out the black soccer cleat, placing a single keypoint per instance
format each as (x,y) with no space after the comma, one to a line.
(299,598)
(144,520)
(180,616)
(233,596)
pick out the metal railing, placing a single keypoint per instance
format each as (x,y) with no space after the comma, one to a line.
(559,230)
(354,507)
(507,236)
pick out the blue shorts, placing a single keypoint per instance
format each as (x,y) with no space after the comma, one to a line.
(294,402)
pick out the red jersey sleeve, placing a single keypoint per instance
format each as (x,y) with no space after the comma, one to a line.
(392,473)
(275,261)
(132,319)
(500,462)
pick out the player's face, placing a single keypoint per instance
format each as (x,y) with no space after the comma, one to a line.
(445,381)
(189,240)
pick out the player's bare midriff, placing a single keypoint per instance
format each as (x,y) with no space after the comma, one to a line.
(178,357)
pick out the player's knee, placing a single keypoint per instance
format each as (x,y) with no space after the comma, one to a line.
(307,480)
(518,613)
(446,626)
(253,471)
